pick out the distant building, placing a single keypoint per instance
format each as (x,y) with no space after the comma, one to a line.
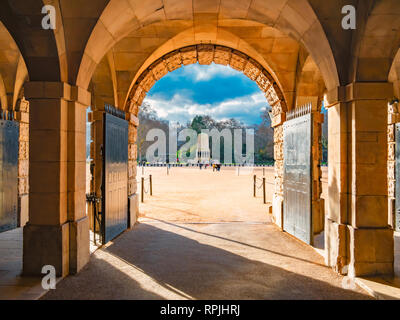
(203,154)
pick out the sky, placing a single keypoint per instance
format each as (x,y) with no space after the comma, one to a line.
(215,90)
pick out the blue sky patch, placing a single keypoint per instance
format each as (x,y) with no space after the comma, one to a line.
(215,90)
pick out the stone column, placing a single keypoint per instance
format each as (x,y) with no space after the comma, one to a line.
(279,117)
(58,232)
(22,116)
(318,203)
(132,170)
(78,103)
(359,240)
(394,117)
(336,220)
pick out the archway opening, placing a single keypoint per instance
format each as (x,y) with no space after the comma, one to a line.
(204,133)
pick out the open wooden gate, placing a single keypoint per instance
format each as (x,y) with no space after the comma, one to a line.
(9,148)
(115,175)
(297,177)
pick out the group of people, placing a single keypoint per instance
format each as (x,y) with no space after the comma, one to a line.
(215,166)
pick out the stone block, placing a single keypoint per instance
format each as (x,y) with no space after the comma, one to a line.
(238,60)
(271,95)
(133,205)
(159,69)
(253,70)
(205,54)
(277,210)
(189,55)
(138,90)
(391,133)
(23,208)
(369,91)
(222,55)
(263,83)
(132,186)
(336,246)
(371,251)
(79,252)
(318,216)
(133,119)
(46,245)
(278,119)
(148,81)
(173,61)
(369,211)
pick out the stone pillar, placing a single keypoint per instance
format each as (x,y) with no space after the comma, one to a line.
(393,118)
(318,204)
(277,202)
(278,118)
(79,254)
(358,239)
(58,232)
(22,116)
(132,169)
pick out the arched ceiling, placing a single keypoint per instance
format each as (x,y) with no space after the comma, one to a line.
(295,18)
(22,18)
(85,34)
(13,71)
(274,51)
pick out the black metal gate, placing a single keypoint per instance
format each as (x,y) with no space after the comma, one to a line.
(297,178)
(397,177)
(115,177)
(9,148)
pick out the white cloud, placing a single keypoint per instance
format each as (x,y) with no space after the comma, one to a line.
(183,109)
(198,73)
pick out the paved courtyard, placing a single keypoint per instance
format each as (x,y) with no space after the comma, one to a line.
(203,236)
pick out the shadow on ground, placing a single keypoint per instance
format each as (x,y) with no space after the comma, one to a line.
(174,266)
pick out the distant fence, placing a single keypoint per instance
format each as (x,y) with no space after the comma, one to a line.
(181,165)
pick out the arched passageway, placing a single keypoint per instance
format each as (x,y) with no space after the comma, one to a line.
(121,47)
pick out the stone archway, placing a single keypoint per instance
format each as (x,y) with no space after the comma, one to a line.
(205,54)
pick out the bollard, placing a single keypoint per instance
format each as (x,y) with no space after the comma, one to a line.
(265,192)
(151,185)
(255,186)
(142,190)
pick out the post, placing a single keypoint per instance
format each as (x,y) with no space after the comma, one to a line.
(264,190)
(142,190)
(255,186)
(151,185)
(167,170)
(263,172)
(142,169)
